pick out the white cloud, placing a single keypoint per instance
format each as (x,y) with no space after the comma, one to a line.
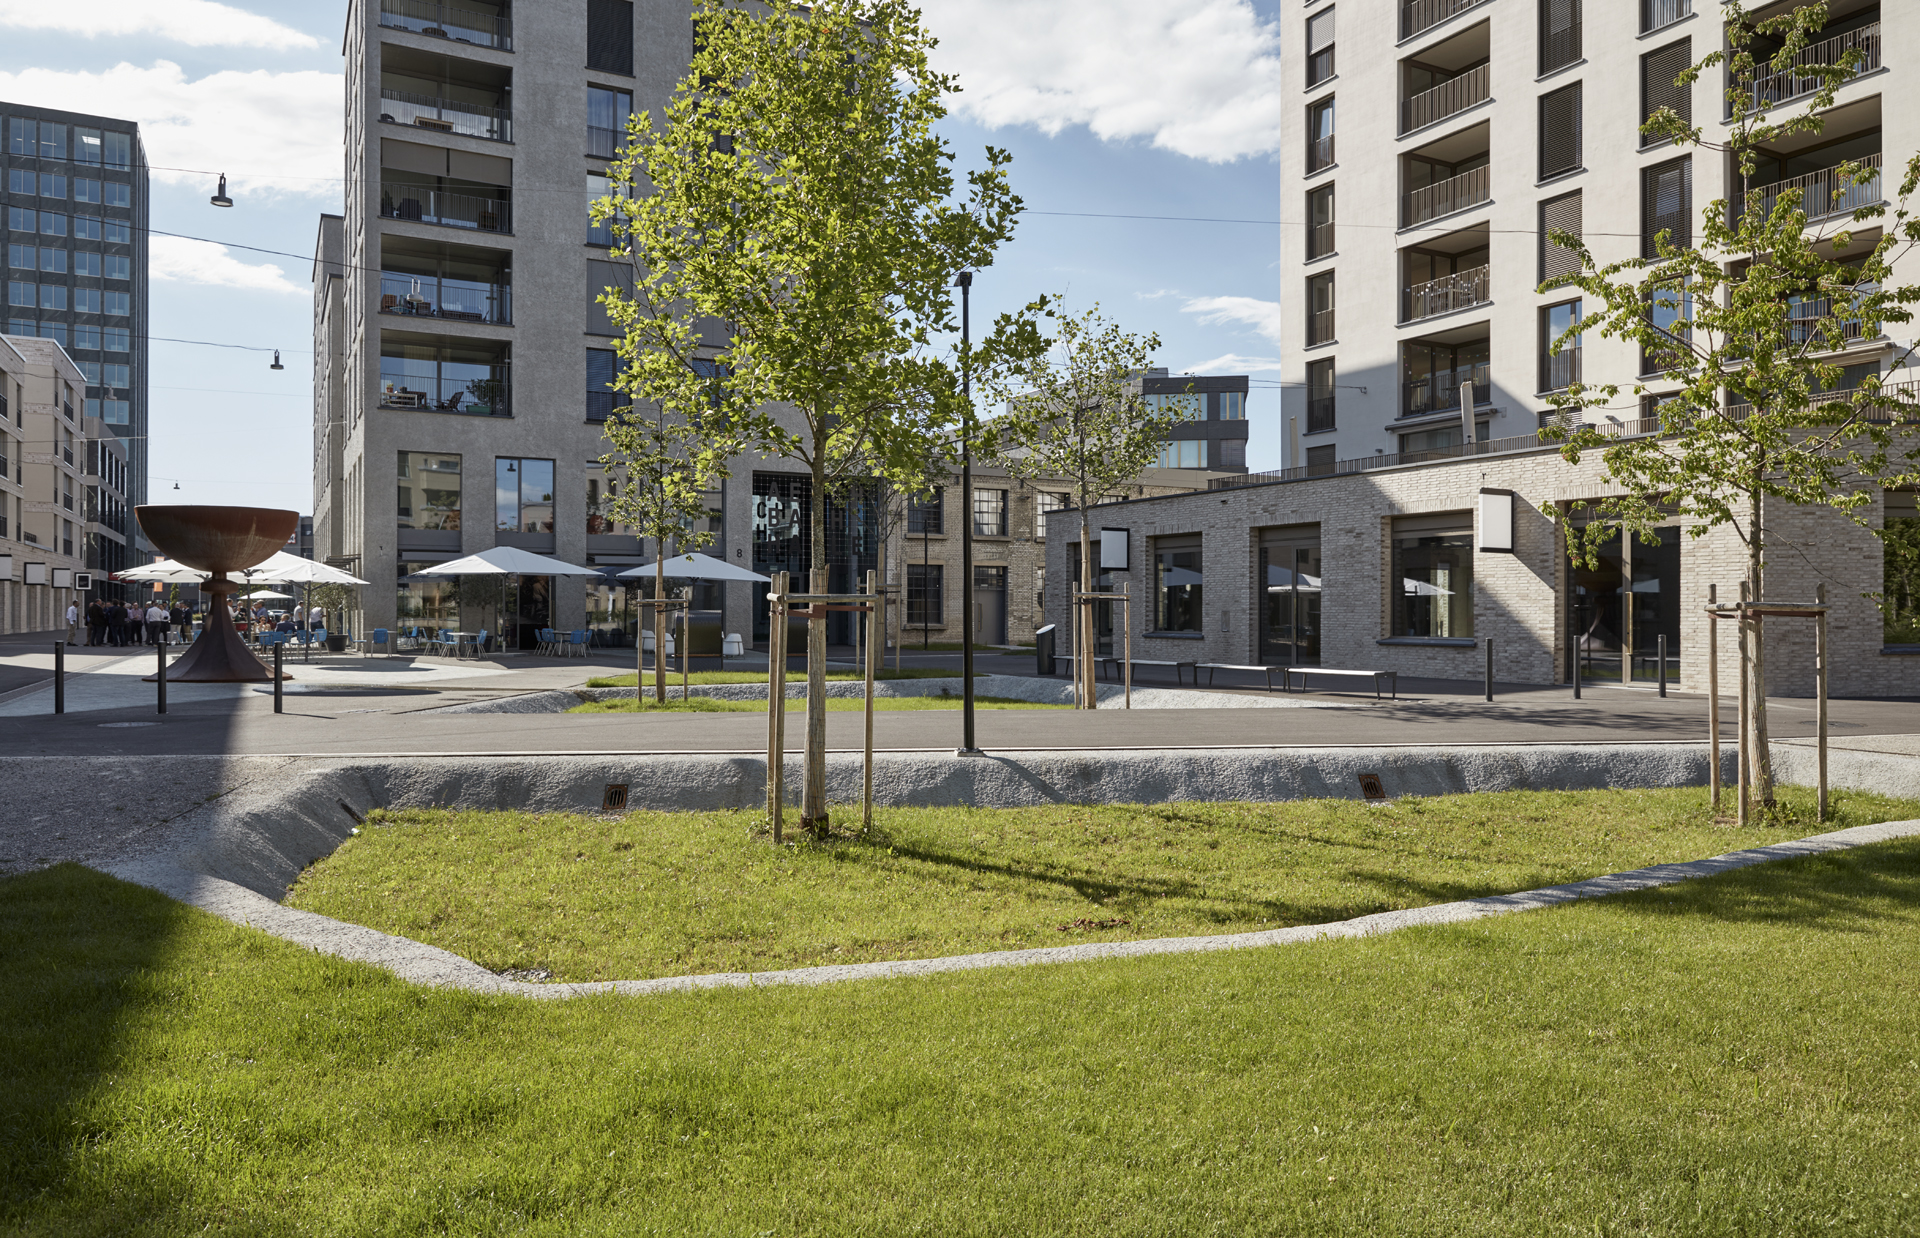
(269,131)
(198,23)
(203,262)
(1234,363)
(1200,78)
(1262,316)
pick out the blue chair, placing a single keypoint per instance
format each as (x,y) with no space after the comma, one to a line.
(577,643)
(480,643)
(380,637)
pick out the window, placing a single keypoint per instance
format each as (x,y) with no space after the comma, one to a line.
(1433,374)
(1559,363)
(116,412)
(1181,405)
(20,180)
(1176,583)
(1900,552)
(119,304)
(522,495)
(23,256)
(1320,461)
(116,375)
(1320,406)
(86,227)
(20,137)
(1666,205)
(54,259)
(925,605)
(85,190)
(989,513)
(1233,406)
(56,331)
(87,264)
(1186,453)
(1433,563)
(1320,135)
(1670,310)
(86,337)
(86,147)
(603,366)
(599,232)
(1559,34)
(429,490)
(118,194)
(1048,502)
(53,140)
(118,339)
(1658,89)
(610,36)
(86,300)
(22,293)
(1560,214)
(20,219)
(53,296)
(1319,47)
(119,266)
(119,233)
(1560,131)
(472,379)
(1320,309)
(52,185)
(1320,222)
(119,149)
(924,513)
(90,370)
(607,112)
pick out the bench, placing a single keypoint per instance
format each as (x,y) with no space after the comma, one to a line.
(1392,678)
(1211,667)
(1114,664)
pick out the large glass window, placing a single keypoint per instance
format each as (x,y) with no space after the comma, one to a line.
(603,366)
(990,513)
(1183,405)
(925,603)
(426,599)
(1176,584)
(1433,568)
(429,490)
(119,149)
(1432,375)
(599,232)
(523,495)
(1320,135)
(1233,406)
(470,379)
(465,285)
(1049,502)
(1559,361)
(925,515)
(53,140)
(1190,453)
(1290,617)
(86,147)
(603,491)
(1320,396)
(1320,47)
(1900,550)
(607,112)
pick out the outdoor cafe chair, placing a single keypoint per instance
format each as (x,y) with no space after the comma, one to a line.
(480,643)
(577,643)
(380,637)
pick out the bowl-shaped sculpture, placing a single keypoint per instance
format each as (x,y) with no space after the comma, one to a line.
(218,540)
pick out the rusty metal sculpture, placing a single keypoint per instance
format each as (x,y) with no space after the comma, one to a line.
(218,540)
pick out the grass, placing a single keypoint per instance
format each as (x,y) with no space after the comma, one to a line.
(662,894)
(835,704)
(673,677)
(1738,1056)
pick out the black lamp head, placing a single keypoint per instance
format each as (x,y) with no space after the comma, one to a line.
(276,361)
(221,198)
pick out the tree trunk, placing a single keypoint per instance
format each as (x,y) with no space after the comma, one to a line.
(1762,758)
(1083,614)
(813,810)
(659,621)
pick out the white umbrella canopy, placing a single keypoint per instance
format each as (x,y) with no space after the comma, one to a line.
(692,566)
(262,594)
(286,569)
(166,571)
(506,561)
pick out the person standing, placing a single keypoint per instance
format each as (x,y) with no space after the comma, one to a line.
(73,621)
(156,624)
(96,623)
(136,622)
(117,624)
(182,620)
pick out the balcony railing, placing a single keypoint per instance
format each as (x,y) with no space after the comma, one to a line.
(1319,410)
(1821,193)
(1908,395)
(1440,390)
(1656,14)
(1456,193)
(1560,370)
(1448,293)
(603,143)
(1448,98)
(421,204)
(1320,153)
(448,21)
(455,300)
(1814,323)
(1418,15)
(474,120)
(1772,88)
(486,397)
(1320,327)
(1320,240)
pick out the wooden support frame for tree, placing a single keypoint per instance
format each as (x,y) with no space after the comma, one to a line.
(872,607)
(1084,663)
(1748,615)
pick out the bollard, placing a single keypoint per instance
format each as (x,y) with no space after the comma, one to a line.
(1489,668)
(278,650)
(59,677)
(1663,665)
(1573,667)
(160,680)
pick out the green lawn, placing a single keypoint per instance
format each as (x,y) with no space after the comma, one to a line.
(673,677)
(1739,1056)
(835,704)
(664,894)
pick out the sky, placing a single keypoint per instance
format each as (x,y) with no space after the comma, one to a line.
(1109,108)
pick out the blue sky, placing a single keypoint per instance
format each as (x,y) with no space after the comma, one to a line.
(1110,107)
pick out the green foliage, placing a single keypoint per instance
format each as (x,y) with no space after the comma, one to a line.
(1900,603)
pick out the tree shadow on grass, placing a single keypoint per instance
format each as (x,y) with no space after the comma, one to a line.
(1859,890)
(84,959)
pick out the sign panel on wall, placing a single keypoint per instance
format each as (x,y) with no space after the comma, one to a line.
(63,578)
(36,574)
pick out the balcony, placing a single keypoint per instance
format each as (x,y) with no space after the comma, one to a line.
(1449,98)
(1821,193)
(1439,391)
(1447,294)
(444,115)
(1420,15)
(483,25)
(427,204)
(1320,411)
(453,283)
(1777,87)
(1813,324)
(1456,193)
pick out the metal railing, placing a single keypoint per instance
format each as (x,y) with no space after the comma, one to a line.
(1814,322)
(1418,15)
(1319,326)
(604,143)
(422,204)
(1440,390)
(1821,193)
(1561,369)
(474,120)
(1655,14)
(1319,240)
(1907,393)
(1448,98)
(1387,460)
(1320,153)
(474,398)
(1456,193)
(456,300)
(1446,294)
(1772,88)
(1319,411)
(448,21)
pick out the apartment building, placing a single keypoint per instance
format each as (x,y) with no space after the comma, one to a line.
(1432,146)
(64,476)
(76,204)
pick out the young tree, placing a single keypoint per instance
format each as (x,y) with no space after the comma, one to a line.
(1077,410)
(1744,320)
(795,212)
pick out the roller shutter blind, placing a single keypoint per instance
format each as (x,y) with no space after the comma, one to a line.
(1657,70)
(1559,34)
(1666,204)
(1560,123)
(610,36)
(1562,214)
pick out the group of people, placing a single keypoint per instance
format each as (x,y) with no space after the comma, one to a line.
(128,623)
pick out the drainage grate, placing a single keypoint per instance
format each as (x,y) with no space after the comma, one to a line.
(1370,787)
(615,798)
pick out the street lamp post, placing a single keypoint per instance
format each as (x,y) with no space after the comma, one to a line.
(967,745)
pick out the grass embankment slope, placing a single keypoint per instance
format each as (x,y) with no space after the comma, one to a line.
(793,676)
(835,704)
(1739,1056)
(662,894)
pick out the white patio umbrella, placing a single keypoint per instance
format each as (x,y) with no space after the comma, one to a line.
(691,566)
(166,571)
(267,593)
(506,561)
